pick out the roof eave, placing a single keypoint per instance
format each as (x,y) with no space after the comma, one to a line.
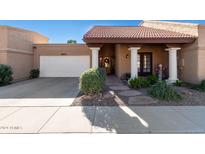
(139,40)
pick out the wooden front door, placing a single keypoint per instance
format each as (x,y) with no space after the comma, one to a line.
(144,64)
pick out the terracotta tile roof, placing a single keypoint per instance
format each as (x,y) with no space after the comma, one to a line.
(135,32)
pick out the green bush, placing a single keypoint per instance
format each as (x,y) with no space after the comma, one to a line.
(139,82)
(164,92)
(202,85)
(178,83)
(152,79)
(199,87)
(102,72)
(5,74)
(34,73)
(92,81)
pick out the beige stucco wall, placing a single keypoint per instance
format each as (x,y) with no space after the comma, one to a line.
(19,39)
(21,63)
(3,38)
(16,49)
(3,57)
(107,50)
(192,59)
(122,64)
(58,49)
(188,63)
(118,54)
(201,52)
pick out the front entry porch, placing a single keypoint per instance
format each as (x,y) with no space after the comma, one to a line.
(137,60)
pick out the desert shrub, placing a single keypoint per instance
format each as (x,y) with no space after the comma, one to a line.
(164,92)
(152,79)
(102,73)
(92,81)
(139,82)
(198,87)
(179,83)
(5,74)
(34,73)
(202,85)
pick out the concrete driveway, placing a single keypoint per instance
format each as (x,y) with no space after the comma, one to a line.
(40,92)
(92,119)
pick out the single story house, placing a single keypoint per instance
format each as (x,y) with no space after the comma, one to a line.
(178,48)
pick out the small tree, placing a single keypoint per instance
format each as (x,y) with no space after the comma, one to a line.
(71,41)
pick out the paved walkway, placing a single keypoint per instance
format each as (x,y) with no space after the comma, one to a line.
(133,96)
(121,119)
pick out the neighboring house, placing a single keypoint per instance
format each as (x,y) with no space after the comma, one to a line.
(16,49)
(138,50)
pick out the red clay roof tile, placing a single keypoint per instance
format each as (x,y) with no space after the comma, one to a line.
(135,32)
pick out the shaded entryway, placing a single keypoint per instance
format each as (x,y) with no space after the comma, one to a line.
(117,59)
(107,58)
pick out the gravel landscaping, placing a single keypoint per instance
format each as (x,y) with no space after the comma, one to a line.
(119,94)
(107,98)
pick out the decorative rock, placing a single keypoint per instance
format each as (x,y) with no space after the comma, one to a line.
(188,93)
(184,91)
(121,87)
(88,97)
(141,100)
(108,95)
(130,93)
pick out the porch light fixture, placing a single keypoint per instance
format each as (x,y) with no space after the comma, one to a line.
(127,55)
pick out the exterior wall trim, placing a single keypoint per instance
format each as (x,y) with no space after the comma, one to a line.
(140,40)
(16,50)
(59,44)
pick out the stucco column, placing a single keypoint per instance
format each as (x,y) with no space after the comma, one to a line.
(172,64)
(95,57)
(134,69)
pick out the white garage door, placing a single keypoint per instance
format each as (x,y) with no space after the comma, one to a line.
(63,66)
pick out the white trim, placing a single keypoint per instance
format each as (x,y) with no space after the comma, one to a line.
(95,57)
(134,48)
(97,48)
(172,64)
(16,50)
(172,49)
(134,68)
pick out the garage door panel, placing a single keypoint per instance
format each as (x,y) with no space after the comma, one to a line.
(63,66)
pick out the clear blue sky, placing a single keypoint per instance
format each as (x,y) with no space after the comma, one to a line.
(59,31)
